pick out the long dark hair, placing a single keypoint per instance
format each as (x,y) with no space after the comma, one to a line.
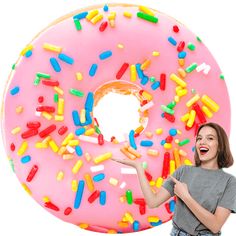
(224,155)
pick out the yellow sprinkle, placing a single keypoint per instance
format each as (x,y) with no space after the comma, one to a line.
(181,62)
(146,10)
(19,109)
(177,99)
(129,217)
(59,118)
(74,185)
(53,146)
(147,95)
(139,129)
(102,158)
(46,140)
(112,15)
(16,130)
(185,117)
(46,199)
(178,88)
(124,218)
(113,181)
(22,148)
(178,81)
(79,76)
(26,188)
(167,146)
(87,157)
(191,118)
(112,231)
(77,166)
(182,153)
(62,150)
(152,183)
(179,132)
(188,162)
(73,142)
(89,182)
(46,115)
(159,182)
(121,46)
(60,106)
(27,48)
(68,156)
(181,72)
(92,14)
(159,131)
(193,100)
(176,141)
(123,224)
(133,73)
(60,176)
(69,137)
(182,92)
(41,145)
(145,64)
(155,53)
(210,103)
(134,152)
(207,112)
(172,166)
(152,152)
(97,18)
(127,14)
(83,226)
(58,90)
(153,219)
(90,132)
(51,47)
(148,134)
(122,199)
(177,158)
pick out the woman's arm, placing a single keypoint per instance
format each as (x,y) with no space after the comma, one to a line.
(213,222)
(152,199)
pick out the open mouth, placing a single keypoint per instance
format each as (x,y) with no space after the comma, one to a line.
(203,150)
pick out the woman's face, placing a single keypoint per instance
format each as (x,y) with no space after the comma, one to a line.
(207,144)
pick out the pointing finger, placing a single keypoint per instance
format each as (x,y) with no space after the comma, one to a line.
(174,179)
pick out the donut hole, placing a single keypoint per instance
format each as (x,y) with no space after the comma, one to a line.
(117,110)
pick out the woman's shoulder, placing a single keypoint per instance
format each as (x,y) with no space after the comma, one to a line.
(231,178)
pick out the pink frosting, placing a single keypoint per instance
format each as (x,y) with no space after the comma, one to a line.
(140,39)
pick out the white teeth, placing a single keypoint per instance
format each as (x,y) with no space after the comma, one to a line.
(204,149)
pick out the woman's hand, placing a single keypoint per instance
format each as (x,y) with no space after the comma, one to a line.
(127,162)
(180,189)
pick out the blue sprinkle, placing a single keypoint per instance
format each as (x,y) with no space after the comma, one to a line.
(155,85)
(80,131)
(102,198)
(144,80)
(139,71)
(89,102)
(173,132)
(15,90)
(98,177)
(172,205)
(136,225)
(146,143)
(66,58)
(28,53)
(93,70)
(162,115)
(79,194)
(55,64)
(163,142)
(78,151)
(105,55)
(156,223)
(25,159)
(193,149)
(172,41)
(132,140)
(105,8)
(75,116)
(88,118)
(80,15)
(182,55)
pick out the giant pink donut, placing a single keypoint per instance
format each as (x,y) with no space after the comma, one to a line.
(68,67)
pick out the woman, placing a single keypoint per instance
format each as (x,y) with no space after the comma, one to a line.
(206,195)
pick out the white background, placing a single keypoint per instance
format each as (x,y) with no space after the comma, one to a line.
(213,21)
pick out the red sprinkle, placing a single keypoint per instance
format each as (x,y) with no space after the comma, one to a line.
(32,173)
(196,129)
(169,139)
(122,70)
(148,176)
(93,196)
(67,211)
(175,28)
(199,113)
(103,26)
(100,139)
(112,138)
(166,165)
(136,135)
(139,201)
(29,133)
(51,206)
(163,82)
(181,46)
(47,131)
(40,99)
(189,128)
(142,209)
(144,102)
(96,121)
(33,124)
(12,147)
(48,109)
(62,130)
(169,117)
(167,206)
(50,82)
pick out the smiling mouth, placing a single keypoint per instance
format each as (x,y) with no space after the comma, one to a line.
(203,150)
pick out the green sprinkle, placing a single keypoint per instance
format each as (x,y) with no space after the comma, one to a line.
(76,92)
(77,24)
(152,79)
(171,105)
(43,75)
(191,46)
(129,197)
(147,17)
(144,165)
(167,110)
(56,97)
(191,68)
(183,142)
(222,76)
(37,80)
(12,165)
(198,39)
(193,91)
(97,130)
(13,67)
